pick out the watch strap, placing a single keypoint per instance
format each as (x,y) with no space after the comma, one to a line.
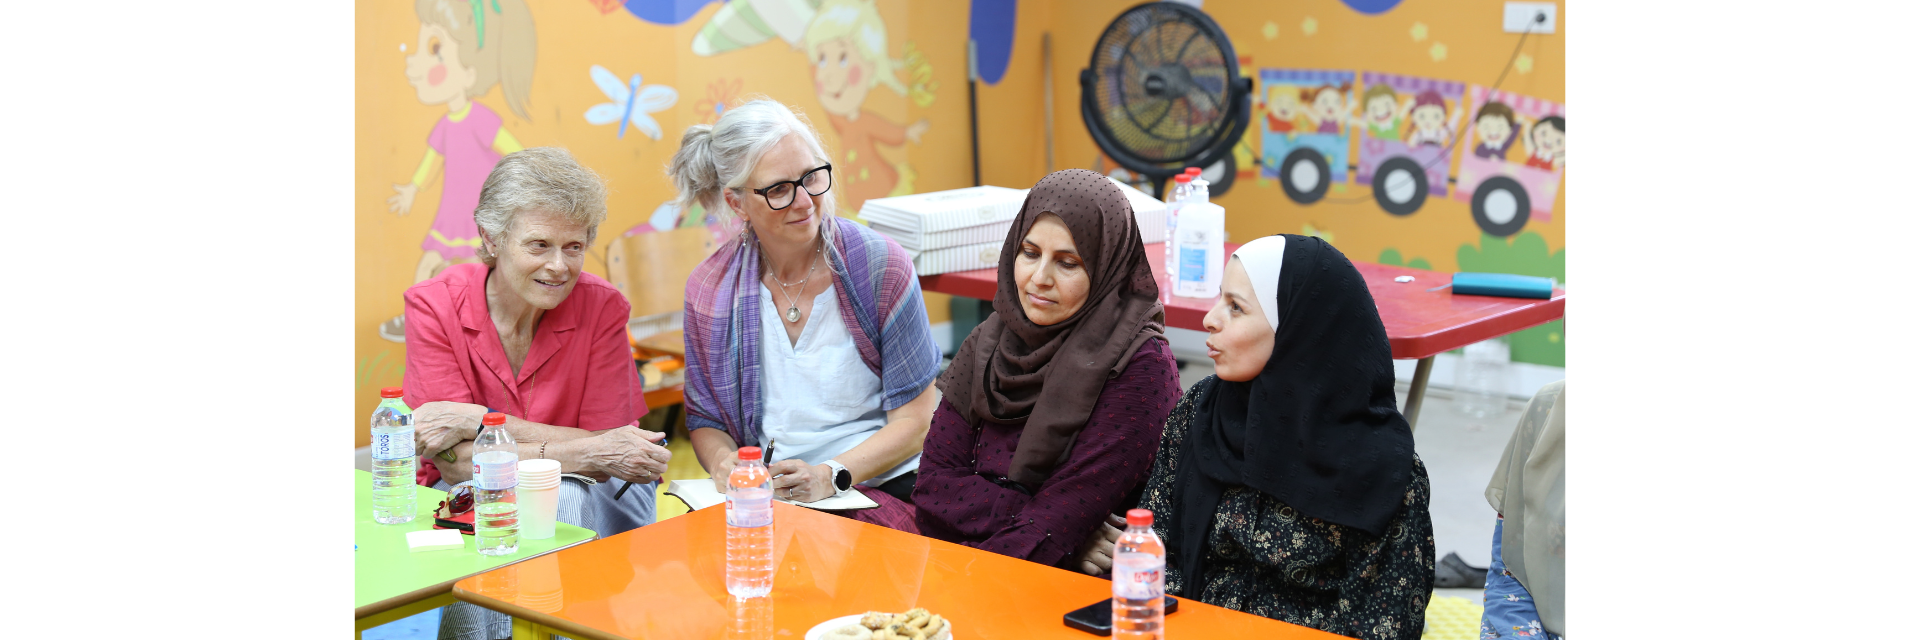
(839,471)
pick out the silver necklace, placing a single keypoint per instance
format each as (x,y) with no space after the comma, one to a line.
(793,308)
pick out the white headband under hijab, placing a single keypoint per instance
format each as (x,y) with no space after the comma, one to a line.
(1262,259)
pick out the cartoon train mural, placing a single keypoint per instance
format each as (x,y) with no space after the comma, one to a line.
(1414,142)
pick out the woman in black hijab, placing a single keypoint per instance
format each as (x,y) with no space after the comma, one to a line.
(1286,485)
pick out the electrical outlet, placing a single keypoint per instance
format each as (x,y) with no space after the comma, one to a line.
(1522,15)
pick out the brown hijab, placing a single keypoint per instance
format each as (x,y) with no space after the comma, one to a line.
(1001,369)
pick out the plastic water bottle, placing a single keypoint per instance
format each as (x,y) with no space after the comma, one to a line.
(1201,241)
(1139,579)
(393,460)
(1182,187)
(749,527)
(496,472)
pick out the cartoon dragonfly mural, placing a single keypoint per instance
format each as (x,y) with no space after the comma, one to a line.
(632,102)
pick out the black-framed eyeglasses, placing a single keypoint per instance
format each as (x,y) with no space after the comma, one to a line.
(779,195)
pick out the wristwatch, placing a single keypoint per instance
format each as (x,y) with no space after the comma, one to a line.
(842,478)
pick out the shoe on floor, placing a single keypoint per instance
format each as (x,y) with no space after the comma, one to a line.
(1453,573)
(395,329)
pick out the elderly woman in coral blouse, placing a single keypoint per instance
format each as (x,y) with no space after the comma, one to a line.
(527,333)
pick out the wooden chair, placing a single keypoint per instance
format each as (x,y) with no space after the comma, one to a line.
(651,269)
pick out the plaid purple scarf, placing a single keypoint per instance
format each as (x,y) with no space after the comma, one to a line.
(879,299)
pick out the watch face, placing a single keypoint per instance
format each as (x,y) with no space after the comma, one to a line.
(843,480)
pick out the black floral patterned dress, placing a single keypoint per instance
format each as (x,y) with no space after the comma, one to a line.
(1266,559)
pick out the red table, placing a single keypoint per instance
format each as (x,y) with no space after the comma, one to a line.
(1420,323)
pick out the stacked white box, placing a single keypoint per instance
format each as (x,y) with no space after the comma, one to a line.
(942,219)
(963,229)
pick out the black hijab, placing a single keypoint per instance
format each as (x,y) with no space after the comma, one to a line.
(1316,429)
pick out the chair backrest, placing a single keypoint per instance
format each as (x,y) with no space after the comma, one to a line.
(652,268)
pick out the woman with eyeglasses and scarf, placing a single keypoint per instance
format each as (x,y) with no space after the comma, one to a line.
(806,334)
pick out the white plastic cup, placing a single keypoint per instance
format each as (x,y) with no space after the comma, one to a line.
(539,506)
(539,495)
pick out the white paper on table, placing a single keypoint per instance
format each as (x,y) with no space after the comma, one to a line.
(699,494)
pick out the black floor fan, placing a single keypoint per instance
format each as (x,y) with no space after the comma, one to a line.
(1164,92)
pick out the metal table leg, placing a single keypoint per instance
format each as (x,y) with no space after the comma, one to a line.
(1417,391)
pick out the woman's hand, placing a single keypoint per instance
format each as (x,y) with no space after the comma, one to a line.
(1095,555)
(628,453)
(801,483)
(724,470)
(437,426)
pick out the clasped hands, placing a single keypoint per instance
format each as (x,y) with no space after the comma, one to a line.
(628,453)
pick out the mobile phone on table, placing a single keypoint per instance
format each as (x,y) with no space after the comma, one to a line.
(1097,618)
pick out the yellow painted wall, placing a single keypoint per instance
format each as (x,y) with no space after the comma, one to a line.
(392,123)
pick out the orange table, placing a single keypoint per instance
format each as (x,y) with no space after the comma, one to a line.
(665,580)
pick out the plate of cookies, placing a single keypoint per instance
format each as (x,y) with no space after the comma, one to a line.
(914,624)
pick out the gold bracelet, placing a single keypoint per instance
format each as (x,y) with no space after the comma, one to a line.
(543,449)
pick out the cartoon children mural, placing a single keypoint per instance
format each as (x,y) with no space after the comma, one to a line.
(464,49)
(1547,144)
(1382,112)
(1283,108)
(1432,125)
(1328,108)
(847,45)
(1505,195)
(1406,167)
(1495,126)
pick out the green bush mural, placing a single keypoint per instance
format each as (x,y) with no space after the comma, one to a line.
(1525,254)
(1391,258)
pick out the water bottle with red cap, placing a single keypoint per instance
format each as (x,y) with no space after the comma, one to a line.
(1139,579)
(749,527)
(393,460)
(1182,190)
(496,473)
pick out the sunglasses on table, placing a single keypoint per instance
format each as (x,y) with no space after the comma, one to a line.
(780,195)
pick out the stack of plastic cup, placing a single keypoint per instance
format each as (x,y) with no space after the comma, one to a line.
(539,494)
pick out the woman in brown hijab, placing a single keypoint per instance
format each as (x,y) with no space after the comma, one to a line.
(1052,409)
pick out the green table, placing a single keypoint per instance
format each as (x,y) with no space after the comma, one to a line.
(390,582)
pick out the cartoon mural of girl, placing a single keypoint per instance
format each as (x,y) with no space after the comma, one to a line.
(1431,126)
(465,48)
(1283,108)
(1547,144)
(1328,108)
(1382,112)
(847,45)
(1496,124)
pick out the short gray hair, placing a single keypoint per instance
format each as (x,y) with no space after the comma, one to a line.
(722,155)
(545,179)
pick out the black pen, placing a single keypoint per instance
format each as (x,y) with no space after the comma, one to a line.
(769,457)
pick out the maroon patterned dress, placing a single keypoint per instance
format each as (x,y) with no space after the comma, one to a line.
(958,499)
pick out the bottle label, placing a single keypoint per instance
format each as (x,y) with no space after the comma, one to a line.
(393,446)
(749,507)
(496,470)
(1193,264)
(1137,576)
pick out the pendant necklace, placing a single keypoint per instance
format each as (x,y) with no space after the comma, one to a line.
(793,308)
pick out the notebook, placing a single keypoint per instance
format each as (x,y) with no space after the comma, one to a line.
(699,494)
